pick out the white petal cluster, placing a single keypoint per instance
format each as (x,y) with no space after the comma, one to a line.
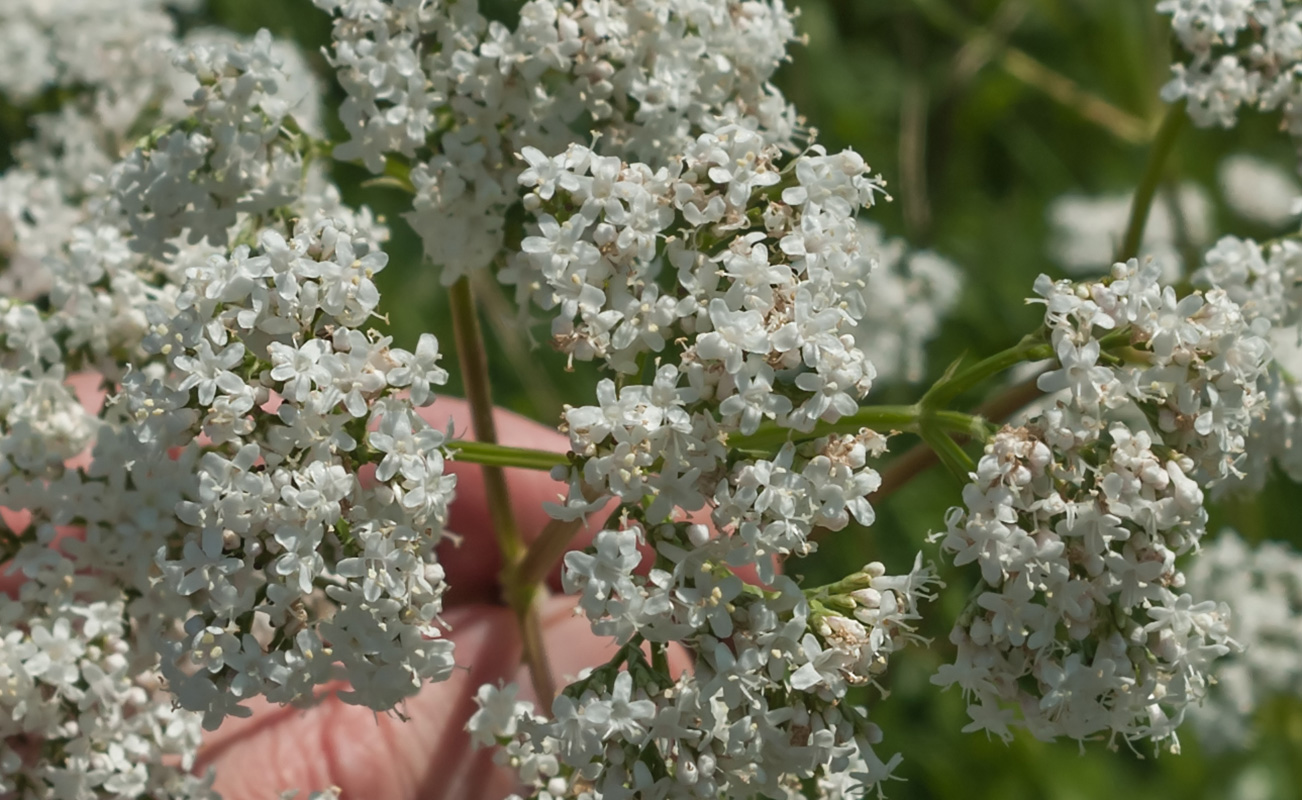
(251,511)
(459,96)
(1242,53)
(764,708)
(101,43)
(233,160)
(108,64)
(1077,517)
(1086,230)
(114,52)
(1075,623)
(1188,374)
(71,697)
(1265,282)
(907,296)
(741,278)
(755,270)
(1258,190)
(231,544)
(1264,585)
(277,519)
(748,280)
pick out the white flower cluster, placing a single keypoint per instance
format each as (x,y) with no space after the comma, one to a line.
(277,531)
(460,96)
(1188,373)
(109,65)
(115,55)
(1242,53)
(758,268)
(1085,231)
(1259,191)
(1264,585)
(233,159)
(253,509)
(750,279)
(907,296)
(75,717)
(1266,282)
(110,45)
(742,282)
(230,542)
(1077,517)
(765,707)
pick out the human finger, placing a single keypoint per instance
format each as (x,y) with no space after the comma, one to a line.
(429,756)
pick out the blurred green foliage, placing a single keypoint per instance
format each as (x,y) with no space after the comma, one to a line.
(979,113)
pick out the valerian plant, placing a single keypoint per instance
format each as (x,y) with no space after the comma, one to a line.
(257,502)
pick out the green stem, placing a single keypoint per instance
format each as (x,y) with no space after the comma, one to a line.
(902,419)
(474,373)
(1031,348)
(496,455)
(522,598)
(958,462)
(1150,180)
(546,550)
(769,437)
(957,422)
(1037,75)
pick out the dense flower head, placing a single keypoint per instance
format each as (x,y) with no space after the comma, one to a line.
(1241,53)
(1194,380)
(459,96)
(1263,280)
(740,271)
(1263,582)
(765,705)
(631,259)
(237,160)
(1076,517)
(230,548)
(1077,624)
(223,293)
(745,281)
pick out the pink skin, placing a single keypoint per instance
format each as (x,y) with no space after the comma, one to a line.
(429,756)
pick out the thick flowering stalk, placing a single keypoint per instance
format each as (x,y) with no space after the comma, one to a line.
(1077,516)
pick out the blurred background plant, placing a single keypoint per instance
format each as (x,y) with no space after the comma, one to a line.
(1011,133)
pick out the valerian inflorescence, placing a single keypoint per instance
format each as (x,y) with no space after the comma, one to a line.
(244,500)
